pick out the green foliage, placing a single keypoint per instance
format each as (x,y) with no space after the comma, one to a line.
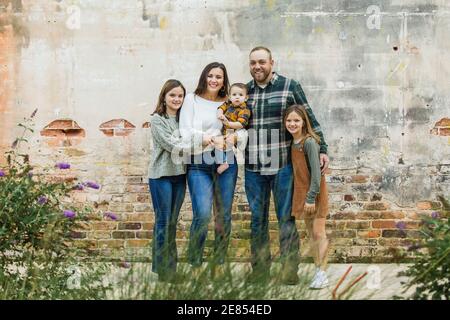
(38,259)
(430,272)
(234,284)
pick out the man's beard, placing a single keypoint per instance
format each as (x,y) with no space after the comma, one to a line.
(265,76)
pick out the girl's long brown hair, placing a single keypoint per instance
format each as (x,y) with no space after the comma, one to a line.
(202,81)
(161,108)
(307,130)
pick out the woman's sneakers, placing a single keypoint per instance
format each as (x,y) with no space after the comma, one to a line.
(320,280)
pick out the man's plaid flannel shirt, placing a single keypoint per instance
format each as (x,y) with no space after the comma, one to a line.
(269,144)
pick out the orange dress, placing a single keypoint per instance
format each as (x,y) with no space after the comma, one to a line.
(301,186)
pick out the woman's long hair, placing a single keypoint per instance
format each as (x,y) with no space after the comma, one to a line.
(161,108)
(307,130)
(202,82)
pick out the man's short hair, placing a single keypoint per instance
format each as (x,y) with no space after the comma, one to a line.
(262,48)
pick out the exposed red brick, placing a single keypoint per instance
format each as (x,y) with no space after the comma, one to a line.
(150,225)
(137,243)
(369,234)
(349,197)
(424,205)
(357,179)
(63,133)
(392,215)
(141,217)
(117,127)
(146,125)
(384,224)
(442,127)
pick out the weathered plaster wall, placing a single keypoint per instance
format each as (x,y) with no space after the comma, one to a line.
(377,81)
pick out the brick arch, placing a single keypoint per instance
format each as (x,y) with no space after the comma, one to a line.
(63,133)
(117,128)
(442,127)
(146,125)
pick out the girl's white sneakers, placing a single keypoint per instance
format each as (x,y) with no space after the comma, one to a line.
(320,280)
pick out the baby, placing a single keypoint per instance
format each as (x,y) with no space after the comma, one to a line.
(234,115)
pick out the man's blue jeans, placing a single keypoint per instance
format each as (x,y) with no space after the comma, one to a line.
(257,188)
(205,187)
(167,197)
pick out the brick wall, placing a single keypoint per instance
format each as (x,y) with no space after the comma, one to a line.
(363,224)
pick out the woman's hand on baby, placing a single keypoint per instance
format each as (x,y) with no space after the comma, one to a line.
(309,208)
(218,142)
(207,140)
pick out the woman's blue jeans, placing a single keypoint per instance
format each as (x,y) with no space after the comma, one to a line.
(205,187)
(167,197)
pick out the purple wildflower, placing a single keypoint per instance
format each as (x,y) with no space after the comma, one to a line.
(110,215)
(63,165)
(401,225)
(435,215)
(69,214)
(92,185)
(30,174)
(2,173)
(125,264)
(78,186)
(42,200)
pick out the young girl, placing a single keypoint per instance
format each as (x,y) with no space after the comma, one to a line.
(167,179)
(310,200)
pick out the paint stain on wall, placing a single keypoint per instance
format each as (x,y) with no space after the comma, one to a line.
(163,23)
(270,4)
(418,114)
(442,127)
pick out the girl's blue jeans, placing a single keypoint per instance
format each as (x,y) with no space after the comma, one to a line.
(167,196)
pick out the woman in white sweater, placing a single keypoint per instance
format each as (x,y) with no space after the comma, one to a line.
(201,127)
